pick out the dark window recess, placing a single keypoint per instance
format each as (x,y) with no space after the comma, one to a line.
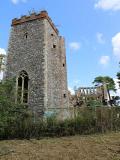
(25,96)
(63,65)
(19,91)
(54,46)
(26,35)
(64,95)
(52,35)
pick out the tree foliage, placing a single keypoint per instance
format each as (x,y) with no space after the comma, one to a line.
(118,75)
(11,114)
(100,80)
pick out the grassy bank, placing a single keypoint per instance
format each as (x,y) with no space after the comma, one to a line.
(94,147)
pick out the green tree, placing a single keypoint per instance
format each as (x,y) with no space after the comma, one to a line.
(100,80)
(12,115)
(118,75)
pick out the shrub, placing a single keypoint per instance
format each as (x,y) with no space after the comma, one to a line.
(17,121)
(11,115)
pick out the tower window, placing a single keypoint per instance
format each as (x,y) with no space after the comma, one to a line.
(26,35)
(54,46)
(64,95)
(63,65)
(52,34)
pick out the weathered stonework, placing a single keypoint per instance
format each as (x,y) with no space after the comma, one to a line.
(36,47)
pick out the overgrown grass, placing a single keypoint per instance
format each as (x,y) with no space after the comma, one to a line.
(90,147)
(17,121)
(86,122)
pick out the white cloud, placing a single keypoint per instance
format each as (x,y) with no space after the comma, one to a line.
(113,5)
(116,83)
(75,45)
(2,51)
(71,90)
(15,1)
(117,93)
(1,75)
(104,60)
(18,1)
(116,45)
(117,87)
(100,38)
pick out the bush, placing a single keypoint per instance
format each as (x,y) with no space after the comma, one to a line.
(12,115)
(17,121)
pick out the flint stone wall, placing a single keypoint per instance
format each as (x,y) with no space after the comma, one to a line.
(45,65)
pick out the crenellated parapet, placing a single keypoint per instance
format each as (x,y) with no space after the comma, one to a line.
(34,16)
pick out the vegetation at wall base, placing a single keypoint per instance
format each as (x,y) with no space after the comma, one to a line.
(17,121)
(88,121)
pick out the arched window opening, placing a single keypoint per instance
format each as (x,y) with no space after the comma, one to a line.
(64,95)
(26,35)
(22,87)
(54,46)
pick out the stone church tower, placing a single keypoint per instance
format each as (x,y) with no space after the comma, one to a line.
(37,58)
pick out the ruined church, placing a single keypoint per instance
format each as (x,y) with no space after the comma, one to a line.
(37,59)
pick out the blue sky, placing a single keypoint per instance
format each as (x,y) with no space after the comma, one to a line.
(91,29)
